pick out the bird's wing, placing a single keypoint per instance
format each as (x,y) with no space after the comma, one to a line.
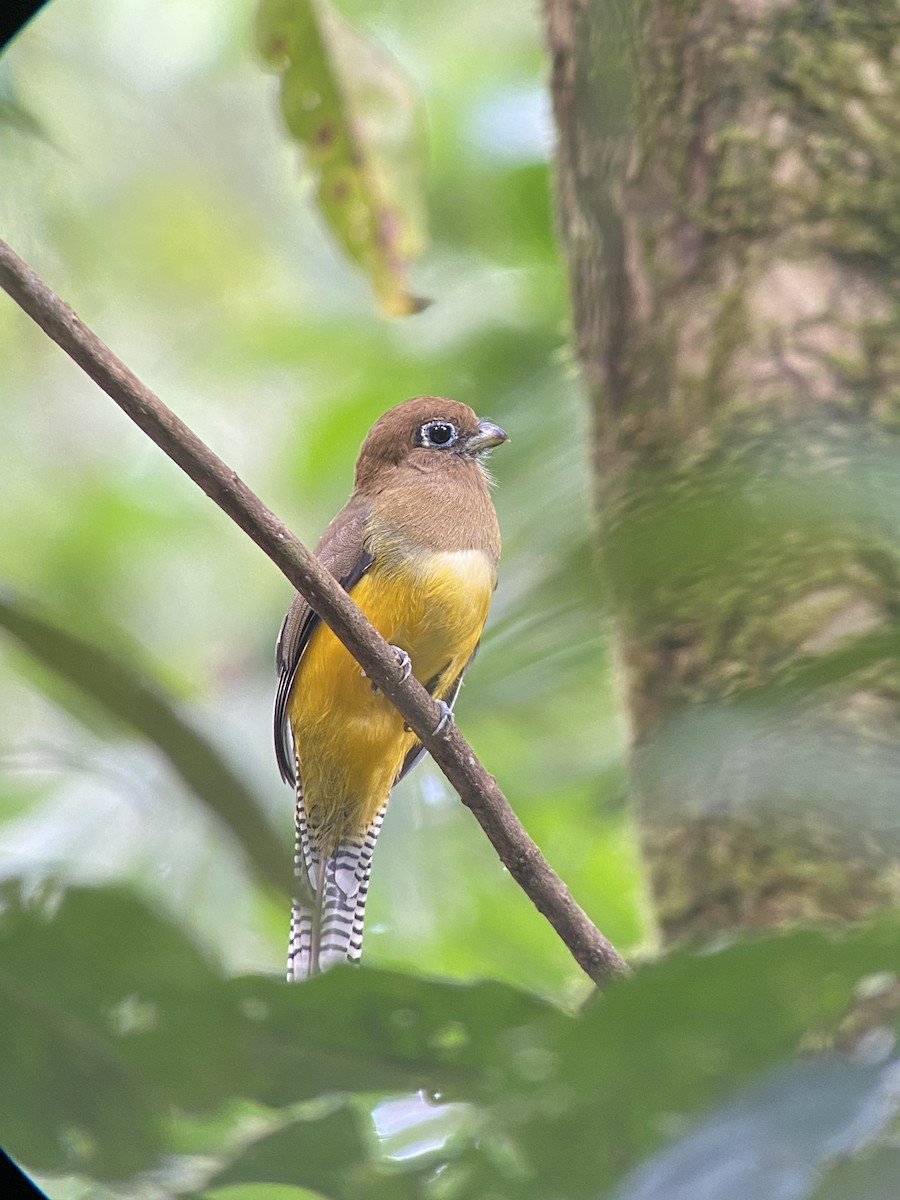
(417,752)
(342,551)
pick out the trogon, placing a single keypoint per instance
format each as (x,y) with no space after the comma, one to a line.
(416,546)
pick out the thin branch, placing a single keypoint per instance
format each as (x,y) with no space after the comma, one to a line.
(477,789)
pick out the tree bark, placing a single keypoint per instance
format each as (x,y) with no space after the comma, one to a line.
(728,177)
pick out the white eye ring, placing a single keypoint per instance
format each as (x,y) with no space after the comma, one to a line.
(438,434)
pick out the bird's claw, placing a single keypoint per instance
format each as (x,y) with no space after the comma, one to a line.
(404,662)
(446,717)
(444,723)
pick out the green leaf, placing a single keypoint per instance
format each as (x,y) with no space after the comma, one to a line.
(326,1147)
(581,1103)
(355,114)
(260,1191)
(334,1154)
(776,1138)
(132,700)
(111,1020)
(112,1023)
(870,1176)
(84,992)
(378,1030)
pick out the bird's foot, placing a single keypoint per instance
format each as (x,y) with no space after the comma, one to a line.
(404,662)
(446,720)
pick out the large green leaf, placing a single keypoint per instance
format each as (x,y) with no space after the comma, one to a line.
(335,1155)
(112,1023)
(110,1020)
(777,1138)
(355,115)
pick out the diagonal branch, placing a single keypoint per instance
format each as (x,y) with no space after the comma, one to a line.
(477,789)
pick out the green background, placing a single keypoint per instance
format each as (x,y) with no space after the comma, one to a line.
(148,1044)
(164,203)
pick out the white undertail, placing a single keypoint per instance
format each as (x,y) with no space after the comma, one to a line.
(328,912)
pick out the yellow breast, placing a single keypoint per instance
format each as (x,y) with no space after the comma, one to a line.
(349,739)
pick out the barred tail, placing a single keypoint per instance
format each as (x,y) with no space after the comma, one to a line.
(329,910)
(305,902)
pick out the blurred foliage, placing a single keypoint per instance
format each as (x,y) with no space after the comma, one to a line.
(149,1045)
(122,693)
(355,115)
(182,236)
(682,1082)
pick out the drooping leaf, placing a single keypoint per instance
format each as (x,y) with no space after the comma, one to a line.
(353,111)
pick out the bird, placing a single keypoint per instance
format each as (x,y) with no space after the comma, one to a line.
(416,546)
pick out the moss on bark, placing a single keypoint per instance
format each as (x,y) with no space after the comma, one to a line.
(729,198)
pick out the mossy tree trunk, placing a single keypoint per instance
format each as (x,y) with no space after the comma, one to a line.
(728,182)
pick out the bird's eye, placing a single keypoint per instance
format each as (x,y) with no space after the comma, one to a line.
(437,433)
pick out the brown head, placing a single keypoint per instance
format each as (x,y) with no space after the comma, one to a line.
(425,433)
